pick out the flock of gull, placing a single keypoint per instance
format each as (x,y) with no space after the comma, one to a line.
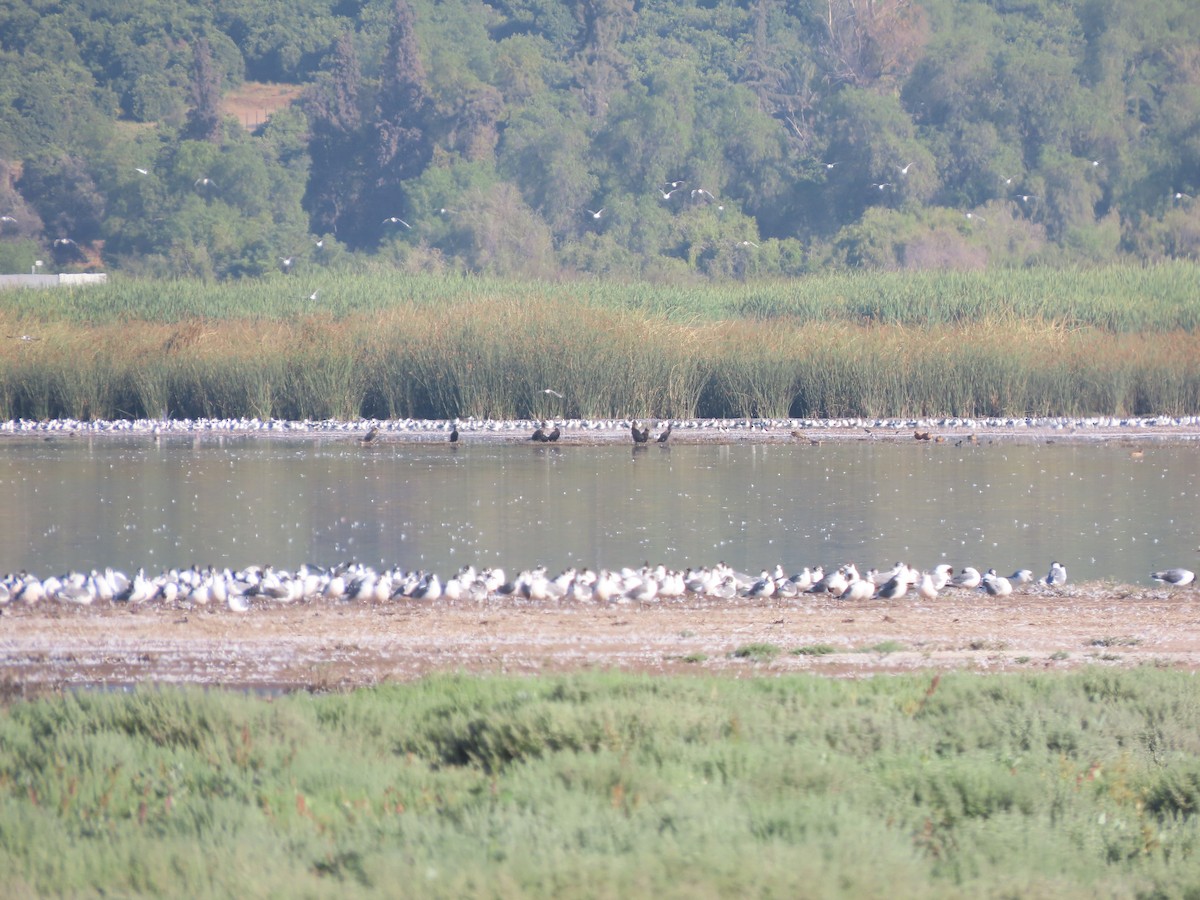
(261,586)
(265,586)
(440,429)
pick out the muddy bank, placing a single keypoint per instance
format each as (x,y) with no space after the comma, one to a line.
(326,646)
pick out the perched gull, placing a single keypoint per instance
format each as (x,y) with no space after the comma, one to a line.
(1177,577)
(1057,576)
(996,585)
(968,578)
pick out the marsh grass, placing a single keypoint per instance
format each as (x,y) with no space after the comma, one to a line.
(1116,299)
(758,652)
(895,345)
(814,650)
(1043,785)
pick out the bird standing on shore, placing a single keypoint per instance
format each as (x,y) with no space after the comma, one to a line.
(370,435)
(1057,576)
(640,435)
(1177,577)
(665,434)
(968,578)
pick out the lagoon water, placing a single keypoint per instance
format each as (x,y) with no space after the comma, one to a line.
(80,503)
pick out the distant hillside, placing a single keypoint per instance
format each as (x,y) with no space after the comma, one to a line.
(671,140)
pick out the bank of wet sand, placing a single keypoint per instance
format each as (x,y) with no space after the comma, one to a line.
(328,646)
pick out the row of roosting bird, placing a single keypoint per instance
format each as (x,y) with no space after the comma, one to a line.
(240,590)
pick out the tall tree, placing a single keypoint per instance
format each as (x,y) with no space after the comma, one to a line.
(204,116)
(336,183)
(402,148)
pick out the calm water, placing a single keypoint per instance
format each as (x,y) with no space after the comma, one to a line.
(80,503)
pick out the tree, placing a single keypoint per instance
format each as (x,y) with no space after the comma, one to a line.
(869,41)
(402,149)
(63,192)
(337,182)
(204,116)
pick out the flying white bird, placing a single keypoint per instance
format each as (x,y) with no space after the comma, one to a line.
(396,220)
(596,213)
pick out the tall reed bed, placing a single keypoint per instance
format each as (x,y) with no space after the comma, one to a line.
(1120,299)
(497,357)
(1064,785)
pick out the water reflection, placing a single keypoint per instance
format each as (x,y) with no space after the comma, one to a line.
(83,503)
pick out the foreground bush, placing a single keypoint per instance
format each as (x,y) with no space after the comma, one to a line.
(604,785)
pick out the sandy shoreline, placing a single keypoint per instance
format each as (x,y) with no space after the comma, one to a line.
(324,645)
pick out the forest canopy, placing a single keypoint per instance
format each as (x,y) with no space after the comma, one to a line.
(549,138)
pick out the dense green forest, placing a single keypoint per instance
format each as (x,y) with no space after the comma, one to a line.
(548,138)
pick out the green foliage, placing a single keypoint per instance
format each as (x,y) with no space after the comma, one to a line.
(1065,785)
(1067,129)
(1115,341)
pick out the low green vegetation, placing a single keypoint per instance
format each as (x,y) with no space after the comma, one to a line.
(886,647)
(758,652)
(814,650)
(1116,341)
(1063,785)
